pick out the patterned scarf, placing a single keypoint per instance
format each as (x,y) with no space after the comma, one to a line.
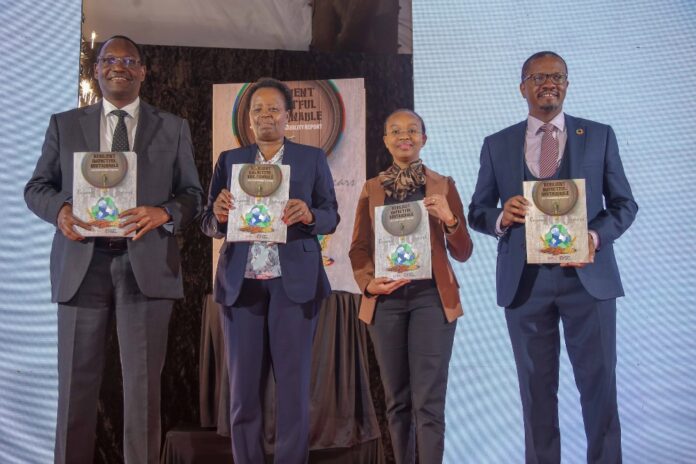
(399,183)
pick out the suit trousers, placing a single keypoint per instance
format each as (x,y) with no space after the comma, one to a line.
(413,346)
(265,329)
(548,294)
(109,290)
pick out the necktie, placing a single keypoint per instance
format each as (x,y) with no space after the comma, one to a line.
(548,161)
(120,141)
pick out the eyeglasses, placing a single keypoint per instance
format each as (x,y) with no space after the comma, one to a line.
(126,61)
(540,78)
(409,132)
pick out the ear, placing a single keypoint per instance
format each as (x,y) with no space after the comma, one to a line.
(424,138)
(523,90)
(142,73)
(95,73)
(384,139)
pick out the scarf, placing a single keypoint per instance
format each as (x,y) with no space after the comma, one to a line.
(399,183)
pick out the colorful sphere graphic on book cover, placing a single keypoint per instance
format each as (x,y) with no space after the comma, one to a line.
(558,241)
(105,210)
(257,220)
(403,258)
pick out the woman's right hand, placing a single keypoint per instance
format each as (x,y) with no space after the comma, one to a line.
(384,285)
(222,206)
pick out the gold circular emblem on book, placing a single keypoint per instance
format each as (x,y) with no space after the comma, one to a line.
(555,197)
(104,170)
(260,180)
(401,219)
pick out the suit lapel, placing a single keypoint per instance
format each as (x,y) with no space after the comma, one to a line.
(250,154)
(89,121)
(376,198)
(380,196)
(575,146)
(293,159)
(433,184)
(517,161)
(148,123)
(289,154)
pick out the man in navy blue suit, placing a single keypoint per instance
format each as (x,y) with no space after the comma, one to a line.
(536,297)
(270,293)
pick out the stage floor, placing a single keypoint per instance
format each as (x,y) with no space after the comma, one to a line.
(205,446)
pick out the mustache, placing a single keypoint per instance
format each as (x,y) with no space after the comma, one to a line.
(113,75)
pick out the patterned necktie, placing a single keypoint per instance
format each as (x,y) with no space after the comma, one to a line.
(548,161)
(120,142)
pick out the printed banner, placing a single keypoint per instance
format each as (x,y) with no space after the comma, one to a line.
(328,114)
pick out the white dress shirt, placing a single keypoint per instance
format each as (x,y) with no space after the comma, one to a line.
(109,121)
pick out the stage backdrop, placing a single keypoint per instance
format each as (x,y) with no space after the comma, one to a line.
(329,114)
(631,65)
(39,43)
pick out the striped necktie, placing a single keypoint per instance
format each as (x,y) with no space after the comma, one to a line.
(548,161)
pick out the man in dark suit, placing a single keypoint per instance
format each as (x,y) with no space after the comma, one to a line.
(134,280)
(270,292)
(551,144)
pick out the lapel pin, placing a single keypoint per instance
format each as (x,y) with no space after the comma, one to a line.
(580,131)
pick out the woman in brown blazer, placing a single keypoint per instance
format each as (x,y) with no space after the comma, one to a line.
(412,323)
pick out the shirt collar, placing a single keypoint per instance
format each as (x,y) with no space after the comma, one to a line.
(133,108)
(276,158)
(534,124)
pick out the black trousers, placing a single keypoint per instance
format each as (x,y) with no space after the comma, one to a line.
(413,345)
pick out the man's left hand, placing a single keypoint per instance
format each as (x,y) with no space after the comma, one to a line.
(297,211)
(591,248)
(143,219)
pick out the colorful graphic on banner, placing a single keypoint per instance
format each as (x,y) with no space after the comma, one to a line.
(327,114)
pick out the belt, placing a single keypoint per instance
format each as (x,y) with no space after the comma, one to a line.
(111,244)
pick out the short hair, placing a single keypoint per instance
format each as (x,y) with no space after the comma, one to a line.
(141,56)
(269,82)
(537,55)
(404,110)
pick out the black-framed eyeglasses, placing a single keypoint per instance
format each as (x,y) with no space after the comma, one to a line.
(409,132)
(126,61)
(540,78)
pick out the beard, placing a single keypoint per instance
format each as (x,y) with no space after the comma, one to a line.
(548,108)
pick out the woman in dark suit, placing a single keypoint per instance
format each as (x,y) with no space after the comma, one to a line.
(269,292)
(412,323)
